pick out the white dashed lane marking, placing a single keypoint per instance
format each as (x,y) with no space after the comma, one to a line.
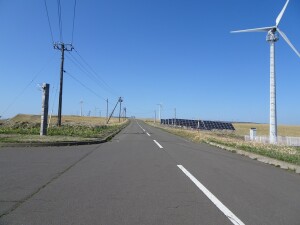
(220,205)
(158,144)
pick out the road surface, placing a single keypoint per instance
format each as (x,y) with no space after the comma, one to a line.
(144,176)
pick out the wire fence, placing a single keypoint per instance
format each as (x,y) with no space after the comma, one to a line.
(289,141)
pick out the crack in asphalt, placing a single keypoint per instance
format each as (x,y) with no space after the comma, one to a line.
(20,202)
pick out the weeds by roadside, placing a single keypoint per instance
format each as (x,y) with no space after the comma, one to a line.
(65,130)
(230,139)
(16,132)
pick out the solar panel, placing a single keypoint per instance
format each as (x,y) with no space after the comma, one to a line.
(199,124)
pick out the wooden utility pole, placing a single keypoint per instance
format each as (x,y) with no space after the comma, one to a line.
(119,101)
(62,47)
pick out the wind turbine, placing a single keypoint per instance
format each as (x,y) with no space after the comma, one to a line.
(272,37)
(159,111)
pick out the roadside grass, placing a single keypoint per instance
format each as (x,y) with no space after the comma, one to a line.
(66,119)
(21,138)
(26,128)
(236,140)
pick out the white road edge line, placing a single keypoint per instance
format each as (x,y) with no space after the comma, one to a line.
(158,144)
(148,134)
(216,201)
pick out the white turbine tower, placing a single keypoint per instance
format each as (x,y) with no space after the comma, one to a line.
(272,37)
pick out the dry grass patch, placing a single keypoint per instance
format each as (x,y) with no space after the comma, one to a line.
(236,140)
(68,120)
(263,129)
(26,128)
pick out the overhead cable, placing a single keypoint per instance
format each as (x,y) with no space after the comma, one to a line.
(86,87)
(74,20)
(95,74)
(83,69)
(90,74)
(25,88)
(59,20)
(49,21)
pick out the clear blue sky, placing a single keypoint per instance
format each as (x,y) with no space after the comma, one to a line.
(176,52)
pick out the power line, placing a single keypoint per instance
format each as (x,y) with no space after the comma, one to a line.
(77,63)
(49,21)
(95,74)
(25,88)
(81,67)
(82,84)
(59,20)
(74,20)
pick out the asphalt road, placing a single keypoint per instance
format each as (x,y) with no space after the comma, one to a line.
(144,176)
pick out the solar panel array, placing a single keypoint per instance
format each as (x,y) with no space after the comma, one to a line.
(199,124)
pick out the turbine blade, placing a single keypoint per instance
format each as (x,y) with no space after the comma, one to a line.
(262,29)
(279,17)
(288,41)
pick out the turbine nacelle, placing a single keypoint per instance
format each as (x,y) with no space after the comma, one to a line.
(272,36)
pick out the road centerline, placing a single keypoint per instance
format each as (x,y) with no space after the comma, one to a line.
(158,144)
(233,218)
(141,127)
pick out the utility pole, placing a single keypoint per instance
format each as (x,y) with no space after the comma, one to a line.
(159,112)
(154,116)
(81,103)
(120,100)
(106,108)
(62,47)
(45,103)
